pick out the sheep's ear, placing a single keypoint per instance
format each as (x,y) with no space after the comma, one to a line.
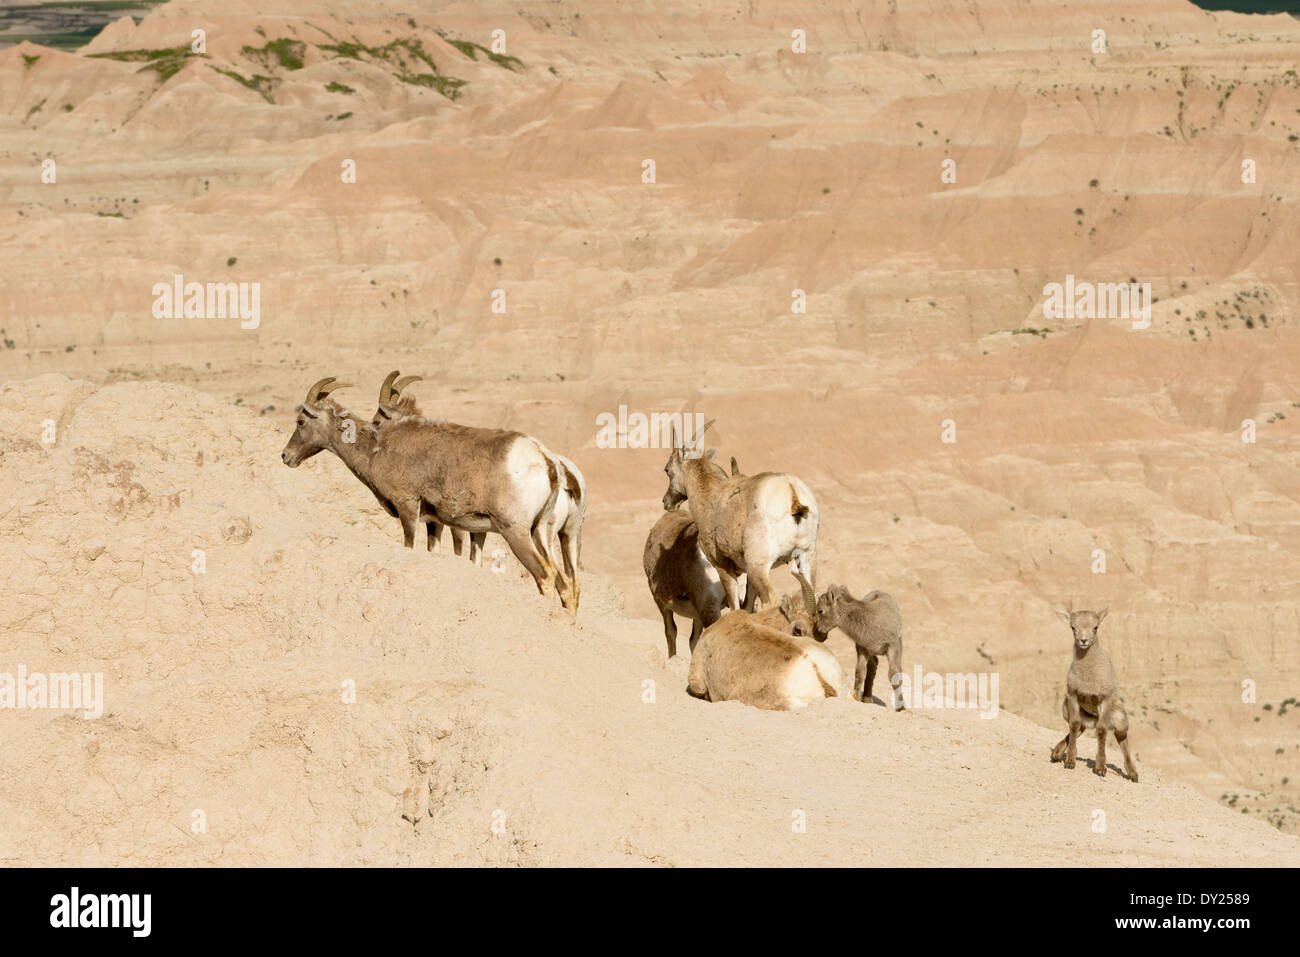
(1063,614)
(309,411)
(1102,614)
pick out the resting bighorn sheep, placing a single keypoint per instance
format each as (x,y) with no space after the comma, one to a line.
(476,479)
(681,579)
(748,524)
(1092,695)
(565,521)
(739,658)
(875,627)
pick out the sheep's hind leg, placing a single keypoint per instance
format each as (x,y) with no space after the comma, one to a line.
(860,674)
(1119,722)
(521,544)
(895,656)
(873,662)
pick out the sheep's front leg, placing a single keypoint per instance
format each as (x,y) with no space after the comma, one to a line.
(697,629)
(409,515)
(1076,725)
(860,675)
(670,630)
(1103,725)
(434,536)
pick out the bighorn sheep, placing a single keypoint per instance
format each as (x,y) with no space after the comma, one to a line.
(739,658)
(563,523)
(1092,695)
(875,627)
(476,479)
(748,523)
(388,395)
(681,579)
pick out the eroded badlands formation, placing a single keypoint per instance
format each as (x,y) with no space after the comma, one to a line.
(519,179)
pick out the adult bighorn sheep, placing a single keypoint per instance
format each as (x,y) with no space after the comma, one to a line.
(681,579)
(563,523)
(748,523)
(388,397)
(476,479)
(741,657)
(1092,695)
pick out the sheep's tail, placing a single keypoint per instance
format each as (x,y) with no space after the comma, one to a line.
(798,510)
(831,690)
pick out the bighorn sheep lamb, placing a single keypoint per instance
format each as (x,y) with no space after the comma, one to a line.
(748,523)
(681,579)
(565,521)
(476,479)
(1092,695)
(875,626)
(741,659)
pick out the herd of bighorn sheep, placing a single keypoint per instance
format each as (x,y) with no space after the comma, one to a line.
(759,649)
(472,480)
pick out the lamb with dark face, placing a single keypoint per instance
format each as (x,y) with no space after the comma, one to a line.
(1092,695)
(875,626)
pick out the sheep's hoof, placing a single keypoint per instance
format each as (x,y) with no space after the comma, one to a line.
(1100,772)
(1069,765)
(1133,778)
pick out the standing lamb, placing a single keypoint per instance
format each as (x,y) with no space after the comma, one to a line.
(876,628)
(1092,695)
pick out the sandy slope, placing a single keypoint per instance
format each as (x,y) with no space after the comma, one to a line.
(474,695)
(775,171)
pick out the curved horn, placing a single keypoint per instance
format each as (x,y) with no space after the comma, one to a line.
(386,390)
(735,469)
(707,426)
(677,439)
(314,393)
(403,382)
(809,596)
